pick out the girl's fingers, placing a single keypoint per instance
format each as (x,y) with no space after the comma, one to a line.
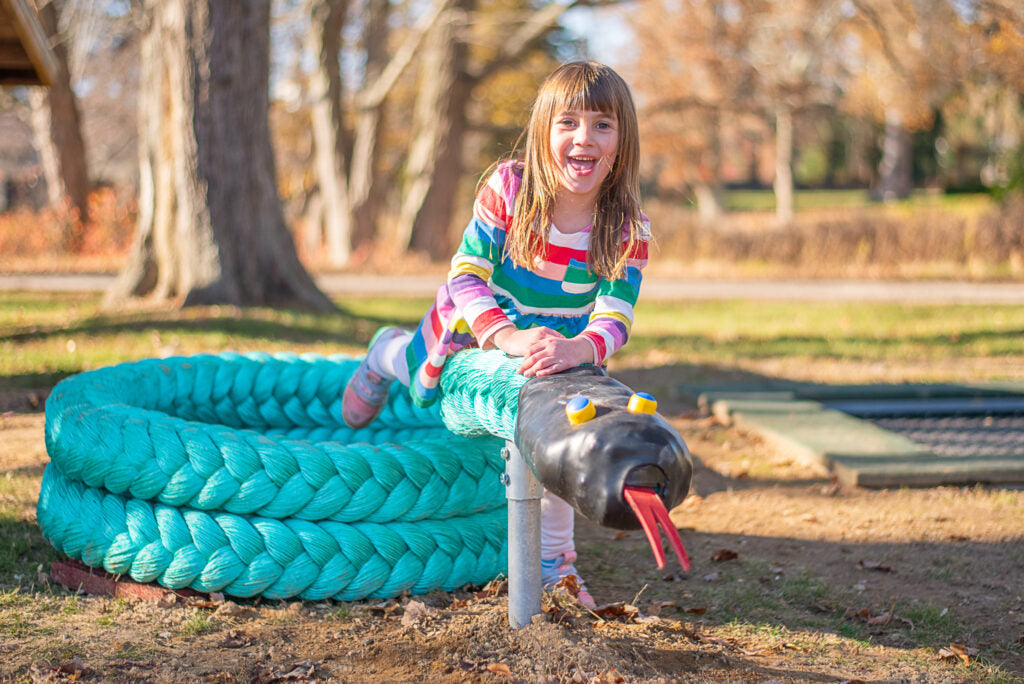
(537,363)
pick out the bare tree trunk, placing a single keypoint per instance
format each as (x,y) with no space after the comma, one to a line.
(435,156)
(364,188)
(58,129)
(327,19)
(708,189)
(895,169)
(784,164)
(213,230)
(434,165)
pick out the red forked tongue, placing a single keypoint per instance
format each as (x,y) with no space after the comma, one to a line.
(651,511)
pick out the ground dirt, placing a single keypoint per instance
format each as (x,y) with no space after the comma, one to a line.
(793,579)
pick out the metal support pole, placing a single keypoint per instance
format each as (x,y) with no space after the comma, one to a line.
(524,492)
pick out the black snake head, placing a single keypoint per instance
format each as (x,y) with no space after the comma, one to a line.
(590,464)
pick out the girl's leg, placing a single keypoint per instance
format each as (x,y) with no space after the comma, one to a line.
(388,357)
(367,390)
(556,528)
(557,545)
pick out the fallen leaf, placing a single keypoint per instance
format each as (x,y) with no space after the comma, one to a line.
(724,555)
(232,609)
(194,602)
(496,587)
(621,609)
(385,607)
(883,619)
(794,647)
(874,565)
(414,610)
(69,670)
(299,671)
(235,639)
(621,534)
(697,611)
(571,585)
(958,651)
(720,641)
(611,676)
(499,669)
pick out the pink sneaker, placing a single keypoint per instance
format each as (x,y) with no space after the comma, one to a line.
(367,391)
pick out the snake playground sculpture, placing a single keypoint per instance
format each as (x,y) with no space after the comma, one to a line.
(235,473)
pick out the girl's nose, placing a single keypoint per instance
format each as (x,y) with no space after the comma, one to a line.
(582,135)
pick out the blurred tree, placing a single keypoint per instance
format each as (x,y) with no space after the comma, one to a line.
(210,225)
(792,52)
(347,152)
(694,83)
(721,61)
(908,58)
(451,74)
(57,124)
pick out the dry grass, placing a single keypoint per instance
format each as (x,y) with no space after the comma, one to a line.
(951,241)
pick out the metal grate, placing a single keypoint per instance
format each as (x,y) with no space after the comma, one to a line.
(949,427)
(961,436)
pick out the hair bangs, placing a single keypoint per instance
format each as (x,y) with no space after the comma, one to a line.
(586,89)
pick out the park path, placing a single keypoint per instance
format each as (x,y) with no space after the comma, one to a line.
(654,288)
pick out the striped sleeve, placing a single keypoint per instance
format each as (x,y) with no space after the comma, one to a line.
(612,317)
(483,243)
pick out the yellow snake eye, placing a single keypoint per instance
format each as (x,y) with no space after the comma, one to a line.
(642,402)
(579,410)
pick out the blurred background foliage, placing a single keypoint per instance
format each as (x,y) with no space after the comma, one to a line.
(860,137)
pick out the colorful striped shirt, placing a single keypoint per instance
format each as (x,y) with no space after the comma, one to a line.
(486,291)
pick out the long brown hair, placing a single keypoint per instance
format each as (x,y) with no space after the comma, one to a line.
(618,223)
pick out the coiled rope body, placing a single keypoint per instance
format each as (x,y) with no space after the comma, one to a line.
(234,473)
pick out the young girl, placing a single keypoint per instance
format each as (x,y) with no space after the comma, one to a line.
(548,268)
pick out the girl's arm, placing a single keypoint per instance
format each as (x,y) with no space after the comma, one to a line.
(481,249)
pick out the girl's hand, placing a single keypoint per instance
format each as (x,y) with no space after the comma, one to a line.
(515,342)
(553,355)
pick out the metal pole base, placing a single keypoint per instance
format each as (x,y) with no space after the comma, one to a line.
(524,492)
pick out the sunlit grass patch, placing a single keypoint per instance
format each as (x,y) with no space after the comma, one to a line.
(721,332)
(197,623)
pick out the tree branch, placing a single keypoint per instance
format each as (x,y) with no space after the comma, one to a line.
(374,95)
(538,24)
(879,26)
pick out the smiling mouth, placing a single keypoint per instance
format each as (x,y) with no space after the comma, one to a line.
(582,164)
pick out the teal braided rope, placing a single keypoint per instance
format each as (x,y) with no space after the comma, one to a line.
(248,556)
(258,438)
(479,393)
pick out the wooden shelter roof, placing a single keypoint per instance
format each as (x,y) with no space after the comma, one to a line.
(25,54)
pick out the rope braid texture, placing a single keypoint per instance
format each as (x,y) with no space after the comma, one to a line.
(235,473)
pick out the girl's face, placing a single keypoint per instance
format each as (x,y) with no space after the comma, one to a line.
(583,146)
